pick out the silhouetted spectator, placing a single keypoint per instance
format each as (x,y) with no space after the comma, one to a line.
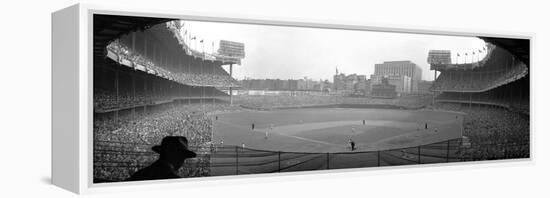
(173,152)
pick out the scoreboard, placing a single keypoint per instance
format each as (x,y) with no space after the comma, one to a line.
(439,59)
(231,49)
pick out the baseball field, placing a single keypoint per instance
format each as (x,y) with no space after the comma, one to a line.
(330,129)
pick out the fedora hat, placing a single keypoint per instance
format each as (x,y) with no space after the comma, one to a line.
(174,144)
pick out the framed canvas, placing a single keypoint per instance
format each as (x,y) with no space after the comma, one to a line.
(148,98)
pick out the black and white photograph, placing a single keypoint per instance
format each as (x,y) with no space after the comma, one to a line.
(275,98)
(177,98)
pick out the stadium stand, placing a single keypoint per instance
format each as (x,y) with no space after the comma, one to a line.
(501,79)
(495,97)
(165,71)
(123,145)
(147,84)
(211,76)
(493,72)
(495,126)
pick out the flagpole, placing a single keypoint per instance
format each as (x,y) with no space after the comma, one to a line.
(212,47)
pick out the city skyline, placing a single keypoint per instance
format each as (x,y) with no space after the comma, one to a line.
(280,52)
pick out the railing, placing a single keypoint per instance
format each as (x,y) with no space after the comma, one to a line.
(216,160)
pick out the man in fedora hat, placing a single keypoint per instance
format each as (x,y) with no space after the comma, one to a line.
(173,151)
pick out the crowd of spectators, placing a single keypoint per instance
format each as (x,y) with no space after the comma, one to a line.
(193,79)
(211,80)
(478,80)
(513,104)
(494,132)
(123,145)
(125,53)
(499,67)
(106,100)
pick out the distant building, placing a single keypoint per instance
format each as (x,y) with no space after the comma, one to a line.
(293,85)
(402,83)
(339,81)
(383,90)
(376,79)
(326,86)
(368,86)
(304,84)
(281,84)
(361,83)
(401,69)
(349,84)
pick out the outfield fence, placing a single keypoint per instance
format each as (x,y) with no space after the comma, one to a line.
(116,161)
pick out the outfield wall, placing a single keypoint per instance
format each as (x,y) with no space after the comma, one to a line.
(344,105)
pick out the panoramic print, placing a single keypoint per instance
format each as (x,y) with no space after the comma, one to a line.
(176,98)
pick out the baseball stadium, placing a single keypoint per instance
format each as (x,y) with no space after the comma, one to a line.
(152,78)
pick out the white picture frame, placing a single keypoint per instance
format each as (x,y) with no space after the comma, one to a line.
(72,104)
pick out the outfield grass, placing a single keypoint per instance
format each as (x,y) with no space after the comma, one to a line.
(329,129)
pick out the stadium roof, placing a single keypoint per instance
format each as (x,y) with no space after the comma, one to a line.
(110,27)
(518,47)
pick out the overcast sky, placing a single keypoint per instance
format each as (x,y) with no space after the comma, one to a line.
(295,52)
